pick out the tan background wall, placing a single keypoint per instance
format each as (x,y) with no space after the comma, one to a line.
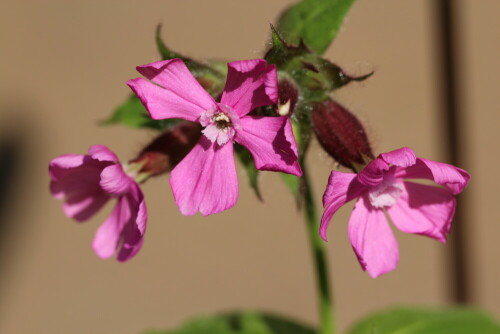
(63,67)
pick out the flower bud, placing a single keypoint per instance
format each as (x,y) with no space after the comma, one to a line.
(168,149)
(340,134)
(288,95)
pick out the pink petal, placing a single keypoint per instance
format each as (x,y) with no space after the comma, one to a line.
(341,189)
(250,84)
(372,239)
(133,233)
(84,205)
(124,228)
(425,210)
(205,180)
(402,157)
(453,178)
(75,179)
(108,235)
(115,181)
(373,173)
(179,94)
(102,153)
(271,142)
(59,166)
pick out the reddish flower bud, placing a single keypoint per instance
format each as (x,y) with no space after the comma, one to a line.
(168,149)
(341,134)
(288,95)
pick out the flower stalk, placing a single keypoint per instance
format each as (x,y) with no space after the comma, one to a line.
(327,320)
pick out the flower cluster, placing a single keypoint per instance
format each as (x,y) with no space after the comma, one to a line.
(204,178)
(199,153)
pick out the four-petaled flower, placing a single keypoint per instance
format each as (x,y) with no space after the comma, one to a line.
(86,183)
(205,180)
(381,188)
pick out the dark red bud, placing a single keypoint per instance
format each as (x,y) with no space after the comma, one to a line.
(341,134)
(168,149)
(288,95)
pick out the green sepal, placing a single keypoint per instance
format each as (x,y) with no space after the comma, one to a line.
(246,160)
(427,321)
(281,52)
(240,323)
(316,22)
(132,113)
(316,77)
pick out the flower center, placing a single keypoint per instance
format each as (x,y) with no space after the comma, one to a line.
(220,123)
(386,193)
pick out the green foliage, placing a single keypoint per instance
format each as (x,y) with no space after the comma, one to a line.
(132,113)
(427,321)
(314,21)
(246,160)
(240,323)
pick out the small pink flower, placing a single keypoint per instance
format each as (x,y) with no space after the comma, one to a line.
(86,183)
(381,188)
(205,180)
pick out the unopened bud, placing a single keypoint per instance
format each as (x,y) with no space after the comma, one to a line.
(168,149)
(288,95)
(341,134)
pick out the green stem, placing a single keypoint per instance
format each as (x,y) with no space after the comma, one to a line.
(318,249)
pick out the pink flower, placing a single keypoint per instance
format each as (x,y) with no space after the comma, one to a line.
(381,188)
(205,180)
(86,183)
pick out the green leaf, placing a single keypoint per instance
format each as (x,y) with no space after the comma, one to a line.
(427,321)
(241,323)
(132,113)
(246,160)
(315,21)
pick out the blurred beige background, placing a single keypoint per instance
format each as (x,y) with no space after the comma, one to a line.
(64,65)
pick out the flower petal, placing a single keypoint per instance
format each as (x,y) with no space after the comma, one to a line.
(107,236)
(453,178)
(75,179)
(423,209)
(373,173)
(133,232)
(402,157)
(271,142)
(115,181)
(341,188)
(124,228)
(250,84)
(372,239)
(102,153)
(59,166)
(174,93)
(83,205)
(205,180)
(174,76)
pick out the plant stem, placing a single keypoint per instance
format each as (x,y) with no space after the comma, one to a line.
(318,250)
